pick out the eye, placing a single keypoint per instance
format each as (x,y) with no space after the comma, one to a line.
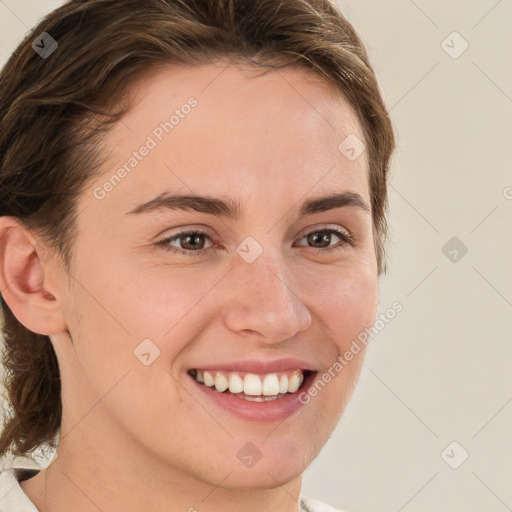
(324,236)
(192,241)
(189,240)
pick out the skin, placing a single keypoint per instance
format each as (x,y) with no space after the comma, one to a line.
(146,433)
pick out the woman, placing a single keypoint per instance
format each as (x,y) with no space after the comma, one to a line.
(192,226)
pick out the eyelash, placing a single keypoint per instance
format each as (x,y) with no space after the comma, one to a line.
(346,239)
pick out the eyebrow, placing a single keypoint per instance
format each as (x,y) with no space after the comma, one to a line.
(232,209)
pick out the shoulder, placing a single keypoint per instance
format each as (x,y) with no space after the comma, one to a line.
(312,505)
(12,497)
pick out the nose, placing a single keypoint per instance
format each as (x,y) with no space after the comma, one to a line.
(265,300)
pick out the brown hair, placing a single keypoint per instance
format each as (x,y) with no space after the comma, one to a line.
(54,110)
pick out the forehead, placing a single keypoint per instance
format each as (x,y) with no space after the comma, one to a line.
(246,128)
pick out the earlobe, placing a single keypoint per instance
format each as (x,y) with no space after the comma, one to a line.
(25,279)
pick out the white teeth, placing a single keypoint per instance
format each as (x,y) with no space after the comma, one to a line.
(221,383)
(271,385)
(252,384)
(268,386)
(257,398)
(294,384)
(236,384)
(208,379)
(283,384)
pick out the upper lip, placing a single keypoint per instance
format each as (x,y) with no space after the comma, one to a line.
(259,366)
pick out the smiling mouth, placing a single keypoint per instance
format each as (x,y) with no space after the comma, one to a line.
(251,386)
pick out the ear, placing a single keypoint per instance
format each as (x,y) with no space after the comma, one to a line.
(26,284)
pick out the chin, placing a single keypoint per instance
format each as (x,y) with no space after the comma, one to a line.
(264,477)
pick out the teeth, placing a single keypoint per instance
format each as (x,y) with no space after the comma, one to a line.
(208,379)
(250,386)
(221,383)
(236,384)
(283,384)
(271,385)
(257,398)
(295,382)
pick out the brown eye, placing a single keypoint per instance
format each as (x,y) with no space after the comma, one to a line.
(321,239)
(190,243)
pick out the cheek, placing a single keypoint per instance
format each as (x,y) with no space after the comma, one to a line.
(119,362)
(346,300)
(170,302)
(346,303)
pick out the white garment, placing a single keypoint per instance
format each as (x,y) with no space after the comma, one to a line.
(13,499)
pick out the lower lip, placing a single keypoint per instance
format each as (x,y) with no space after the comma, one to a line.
(273,410)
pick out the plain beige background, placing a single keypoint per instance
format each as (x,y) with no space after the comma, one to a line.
(428,426)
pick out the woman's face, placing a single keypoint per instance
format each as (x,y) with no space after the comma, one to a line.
(268,287)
